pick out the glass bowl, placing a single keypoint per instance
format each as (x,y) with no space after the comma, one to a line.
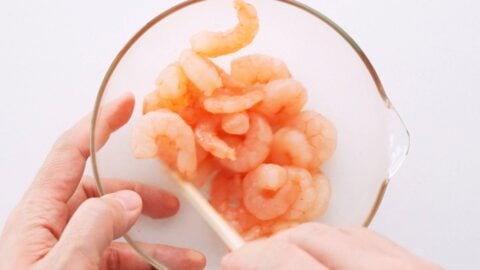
(342,85)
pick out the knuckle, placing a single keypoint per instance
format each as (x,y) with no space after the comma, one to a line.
(99,208)
(89,187)
(284,248)
(350,229)
(94,204)
(107,211)
(278,246)
(98,215)
(79,251)
(88,180)
(66,143)
(311,227)
(112,259)
(315,232)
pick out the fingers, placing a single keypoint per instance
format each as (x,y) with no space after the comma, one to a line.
(122,256)
(92,228)
(328,245)
(157,203)
(59,176)
(270,254)
(374,240)
(363,248)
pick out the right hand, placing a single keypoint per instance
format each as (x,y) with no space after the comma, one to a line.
(317,246)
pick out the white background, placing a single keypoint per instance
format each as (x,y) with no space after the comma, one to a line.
(53,55)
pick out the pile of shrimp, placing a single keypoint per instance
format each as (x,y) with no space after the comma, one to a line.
(244,135)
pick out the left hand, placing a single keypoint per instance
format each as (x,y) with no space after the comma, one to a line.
(62,224)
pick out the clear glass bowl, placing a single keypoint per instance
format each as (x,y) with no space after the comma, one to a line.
(342,85)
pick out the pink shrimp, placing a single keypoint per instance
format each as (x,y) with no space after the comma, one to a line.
(213,44)
(283,98)
(201,154)
(228,80)
(165,134)
(236,123)
(307,196)
(291,147)
(254,233)
(205,169)
(324,193)
(268,228)
(267,192)
(258,68)
(193,112)
(207,138)
(225,190)
(223,101)
(170,91)
(320,133)
(201,72)
(226,195)
(190,114)
(253,149)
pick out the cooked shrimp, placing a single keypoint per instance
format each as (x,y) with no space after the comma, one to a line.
(253,233)
(267,192)
(201,154)
(236,123)
(240,218)
(173,133)
(153,102)
(189,114)
(205,169)
(320,133)
(307,196)
(170,91)
(171,83)
(226,193)
(291,147)
(267,228)
(213,44)
(284,97)
(254,148)
(228,80)
(324,193)
(233,103)
(200,72)
(258,68)
(192,113)
(207,138)
(225,190)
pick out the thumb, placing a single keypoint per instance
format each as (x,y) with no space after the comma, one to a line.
(95,224)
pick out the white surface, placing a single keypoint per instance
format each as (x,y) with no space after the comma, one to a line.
(53,55)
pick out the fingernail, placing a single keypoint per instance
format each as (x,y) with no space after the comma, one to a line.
(171,202)
(194,256)
(126,94)
(130,200)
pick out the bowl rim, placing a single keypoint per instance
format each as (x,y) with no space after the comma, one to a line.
(296,4)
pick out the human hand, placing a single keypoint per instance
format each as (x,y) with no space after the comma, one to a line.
(61,224)
(317,246)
